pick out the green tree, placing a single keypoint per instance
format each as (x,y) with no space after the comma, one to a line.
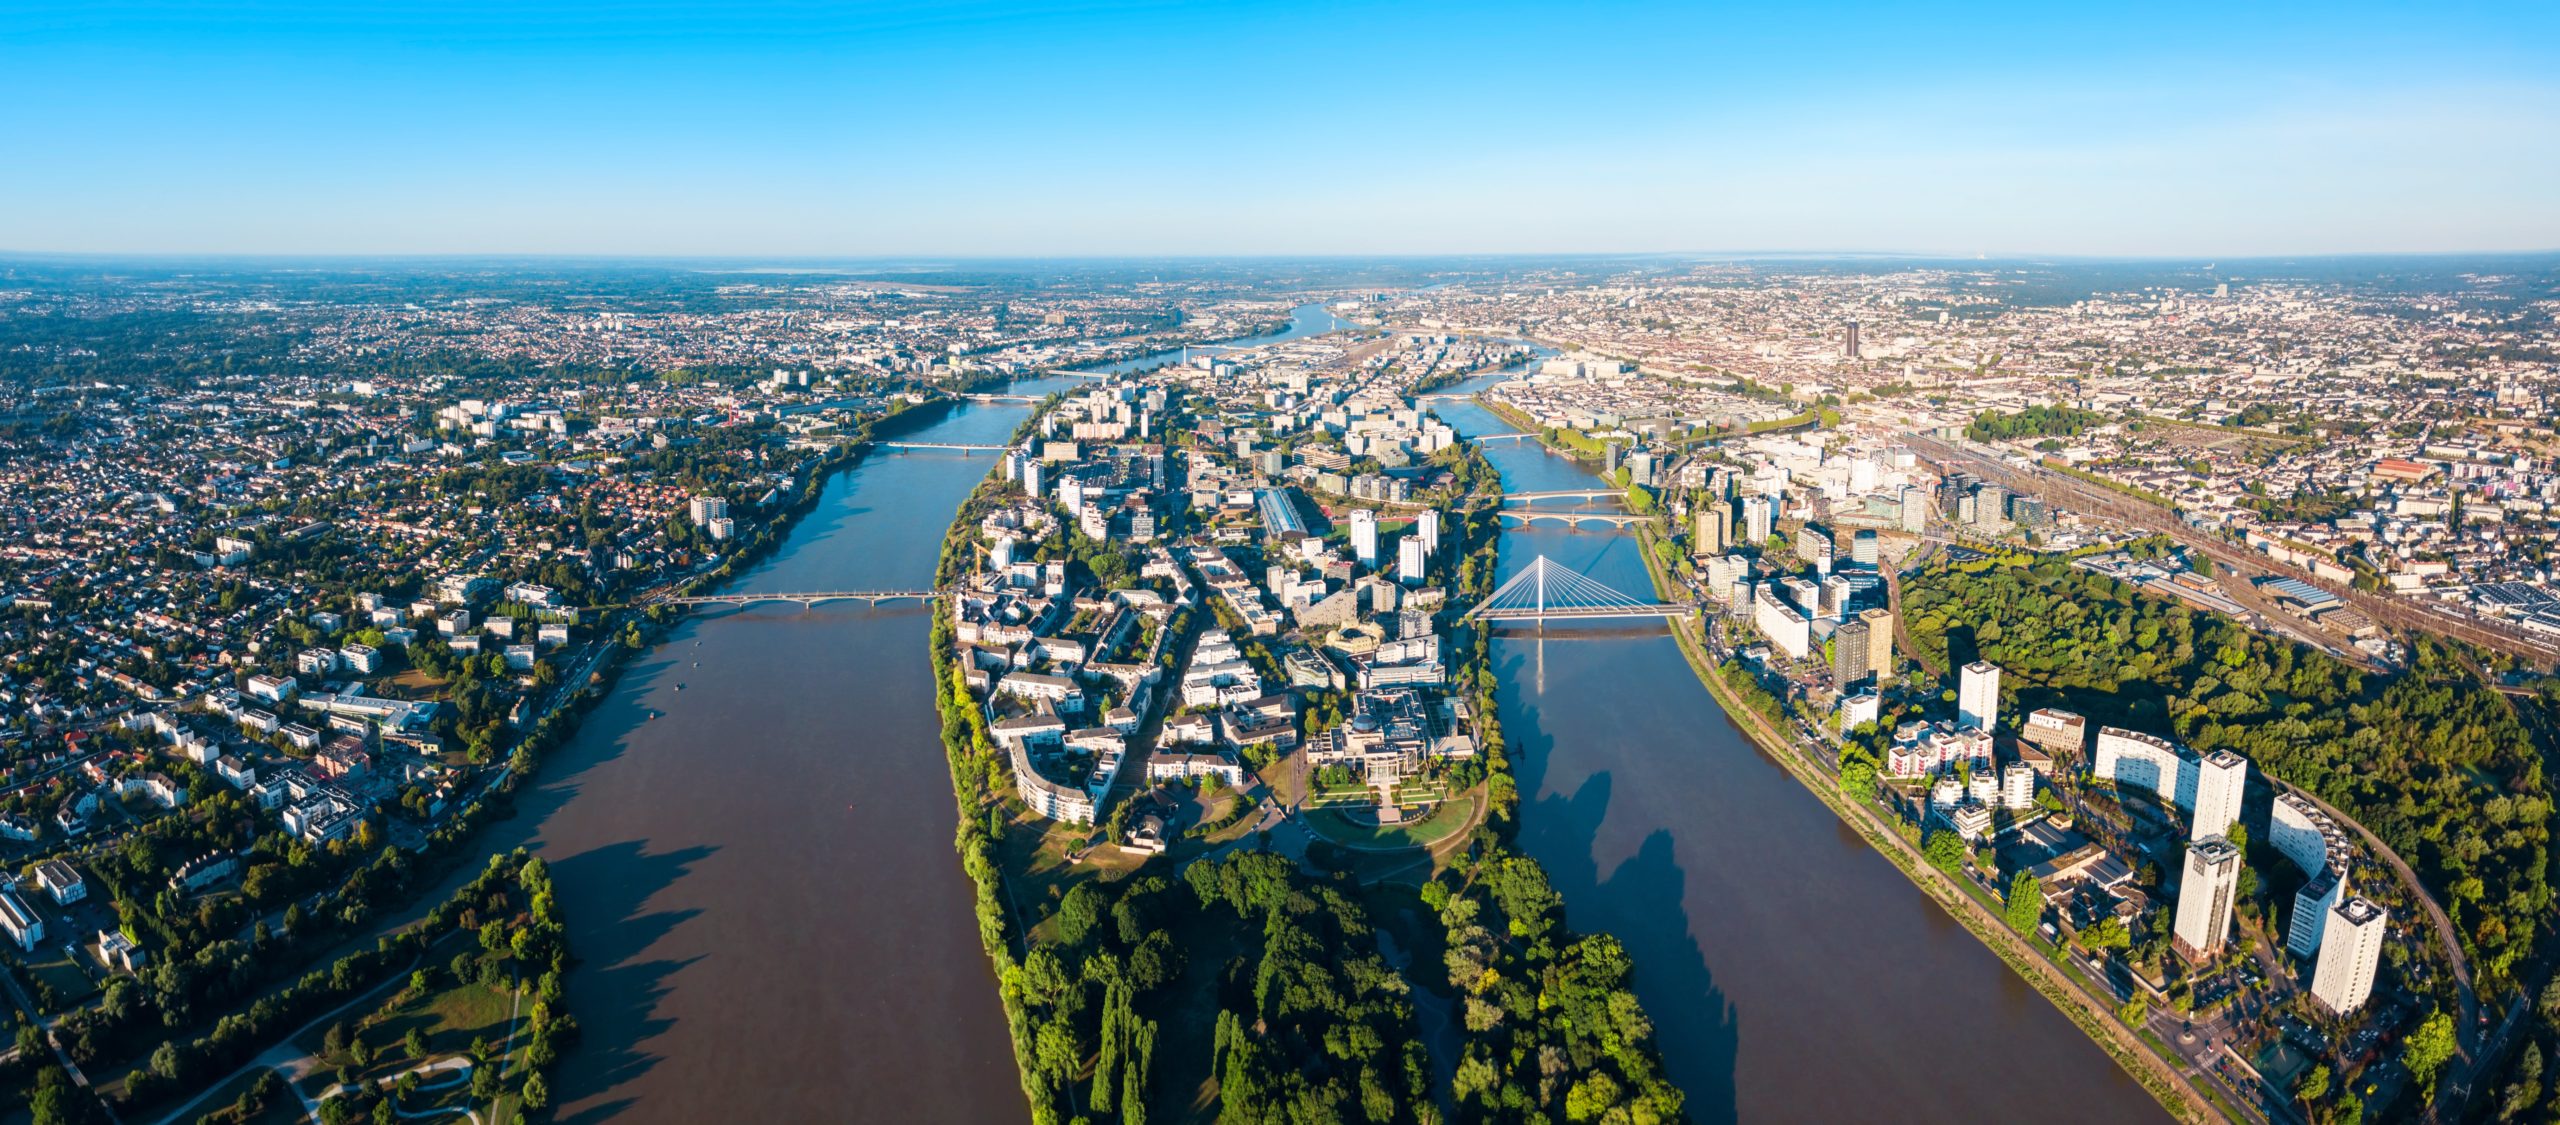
(2428,1049)
(1944,850)
(2026,902)
(2314,1085)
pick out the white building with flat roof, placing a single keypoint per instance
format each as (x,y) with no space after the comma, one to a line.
(2134,760)
(2222,780)
(1978,696)
(2343,978)
(1785,628)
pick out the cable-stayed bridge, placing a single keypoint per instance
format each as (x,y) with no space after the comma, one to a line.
(1547,590)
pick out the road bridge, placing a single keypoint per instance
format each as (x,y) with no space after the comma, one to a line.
(1024,400)
(962,447)
(1565,494)
(873,597)
(1577,519)
(1504,437)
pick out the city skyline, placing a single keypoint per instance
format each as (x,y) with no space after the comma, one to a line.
(1115,130)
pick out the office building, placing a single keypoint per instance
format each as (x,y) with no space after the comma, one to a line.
(2222,780)
(2343,978)
(1849,345)
(1978,696)
(1364,536)
(1865,547)
(2205,897)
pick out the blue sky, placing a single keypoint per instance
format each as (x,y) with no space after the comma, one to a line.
(806,129)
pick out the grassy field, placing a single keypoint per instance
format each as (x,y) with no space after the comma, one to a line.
(283,1109)
(450,1018)
(1034,852)
(1449,819)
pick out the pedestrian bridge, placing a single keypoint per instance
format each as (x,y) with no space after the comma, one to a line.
(1547,590)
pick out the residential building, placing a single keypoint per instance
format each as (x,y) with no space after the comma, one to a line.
(2343,978)
(62,882)
(2205,898)
(23,925)
(2222,780)
(1978,696)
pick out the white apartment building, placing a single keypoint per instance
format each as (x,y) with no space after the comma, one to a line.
(2343,979)
(1778,621)
(1364,536)
(1978,696)
(2134,760)
(1412,561)
(2222,780)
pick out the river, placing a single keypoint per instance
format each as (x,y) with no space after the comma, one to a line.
(772,925)
(759,882)
(1791,972)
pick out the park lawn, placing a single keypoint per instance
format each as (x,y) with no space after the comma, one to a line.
(415,681)
(70,985)
(1449,819)
(283,1109)
(451,1017)
(1034,853)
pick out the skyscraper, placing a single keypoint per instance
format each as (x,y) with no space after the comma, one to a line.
(1978,696)
(1758,520)
(1427,527)
(1851,347)
(1849,652)
(2204,898)
(2343,978)
(1879,643)
(1412,562)
(2222,779)
(1715,528)
(1364,536)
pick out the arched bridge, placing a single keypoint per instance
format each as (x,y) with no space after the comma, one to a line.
(1576,519)
(874,597)
(1546,590)
(1564,494)
(1025,400)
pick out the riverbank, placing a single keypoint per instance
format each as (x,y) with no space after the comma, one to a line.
(2179,1097)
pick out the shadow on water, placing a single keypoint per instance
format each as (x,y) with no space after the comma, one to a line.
(613,989)
(1698,1030)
